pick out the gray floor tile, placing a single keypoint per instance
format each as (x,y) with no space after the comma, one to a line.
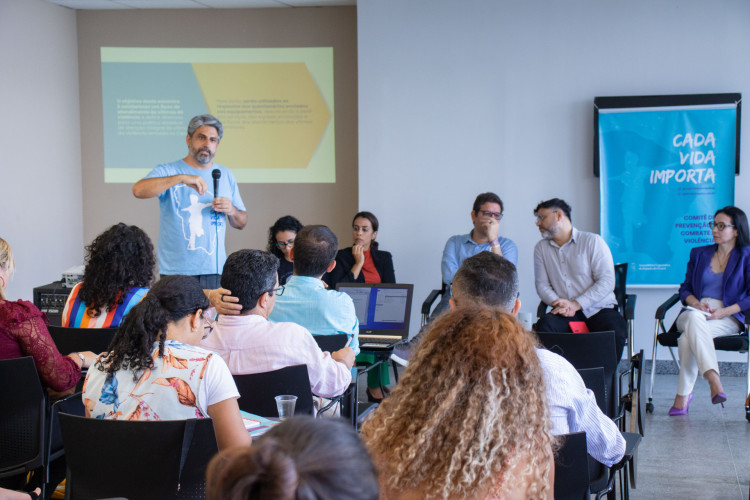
(702,455)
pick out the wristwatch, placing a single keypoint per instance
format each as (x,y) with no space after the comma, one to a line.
(83,359)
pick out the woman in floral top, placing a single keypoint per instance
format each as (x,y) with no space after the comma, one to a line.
(155,371)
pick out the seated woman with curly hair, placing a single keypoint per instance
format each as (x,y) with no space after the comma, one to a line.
(119,269)
(469,418)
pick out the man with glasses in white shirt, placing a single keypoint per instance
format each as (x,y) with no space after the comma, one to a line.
(575,275)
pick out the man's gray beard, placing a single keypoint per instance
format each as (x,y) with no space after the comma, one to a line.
(200,159)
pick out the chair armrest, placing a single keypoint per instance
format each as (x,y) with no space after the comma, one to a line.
(632,440)
(333,401)
(662,310)
(630,300)
(541,309)
(427,304)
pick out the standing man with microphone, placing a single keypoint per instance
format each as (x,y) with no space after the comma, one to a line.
(193,220)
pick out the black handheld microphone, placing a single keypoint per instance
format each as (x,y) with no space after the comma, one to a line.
(216,174)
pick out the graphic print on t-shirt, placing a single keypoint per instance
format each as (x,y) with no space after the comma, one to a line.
(198,220)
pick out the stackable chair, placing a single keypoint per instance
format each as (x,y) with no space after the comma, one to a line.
(590,350)
(69,340)
(29,435)
(331,343)
(258,390)
(603,478)
(668,338)
(572,468)
(22,419)
(626,306)
(433,296)
(136,459)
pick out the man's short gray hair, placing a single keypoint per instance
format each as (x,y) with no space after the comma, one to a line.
(207,120)
(489,280)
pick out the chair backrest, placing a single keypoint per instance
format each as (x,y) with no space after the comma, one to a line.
(22,417)
(331,343)
(132,459)
(572,468)
(258,390)
(69,340)
(593,378)
(588,350)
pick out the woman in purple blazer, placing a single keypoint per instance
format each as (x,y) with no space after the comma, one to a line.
(716,291)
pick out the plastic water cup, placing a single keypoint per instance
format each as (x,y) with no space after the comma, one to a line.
(285,405)
(525,319)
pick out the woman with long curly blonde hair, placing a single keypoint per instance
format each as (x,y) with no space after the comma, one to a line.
(469,419)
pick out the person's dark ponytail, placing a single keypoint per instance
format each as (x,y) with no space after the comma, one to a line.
(170,300)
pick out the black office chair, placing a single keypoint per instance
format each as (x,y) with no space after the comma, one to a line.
(22,419)
(69,340)
(625,304)
(572,468)
(603,480)
(331,343)
(593,379)
(136,459)
(427,310)
(582,357)
(668,338)
(258,390)
(590,350)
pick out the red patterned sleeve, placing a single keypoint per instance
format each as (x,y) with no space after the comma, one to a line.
(29,327)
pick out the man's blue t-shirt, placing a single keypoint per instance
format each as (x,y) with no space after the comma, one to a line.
(190,232)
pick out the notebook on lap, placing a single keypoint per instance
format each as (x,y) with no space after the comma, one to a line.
(383,311)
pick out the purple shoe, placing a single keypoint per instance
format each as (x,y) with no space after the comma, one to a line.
(719,398)
(674,411)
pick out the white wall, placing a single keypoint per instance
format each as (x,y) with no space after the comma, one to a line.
(460,97)
(41,147)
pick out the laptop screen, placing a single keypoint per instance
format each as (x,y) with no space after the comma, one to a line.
(382,308)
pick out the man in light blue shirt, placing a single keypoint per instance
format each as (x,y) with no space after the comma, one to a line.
(485,215)
(193,216)
(306,301)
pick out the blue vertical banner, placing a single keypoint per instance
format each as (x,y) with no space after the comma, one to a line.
(664,171)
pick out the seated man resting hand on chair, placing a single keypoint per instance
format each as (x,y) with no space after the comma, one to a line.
(249,343)
(575,275)
(489,280)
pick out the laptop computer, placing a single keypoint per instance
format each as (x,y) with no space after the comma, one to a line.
(383,311)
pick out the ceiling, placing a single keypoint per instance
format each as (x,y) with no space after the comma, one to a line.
(194,4)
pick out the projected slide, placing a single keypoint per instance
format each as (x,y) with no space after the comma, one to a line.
(276,106)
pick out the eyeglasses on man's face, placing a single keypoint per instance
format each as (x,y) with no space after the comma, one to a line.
(284,244)
(494,215)
(719,225)
(208,325)
(540,218)
(278,291)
